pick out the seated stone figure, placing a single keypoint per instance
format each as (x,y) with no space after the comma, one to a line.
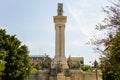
(59,68)
(46,63)
(73,64)
(60,9)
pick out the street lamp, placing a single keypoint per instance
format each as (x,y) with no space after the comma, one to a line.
(27,72)
(96,65)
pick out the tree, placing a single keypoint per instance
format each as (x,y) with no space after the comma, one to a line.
(87,68)
(2,62)
(15,55)
(111,42)
(114,57)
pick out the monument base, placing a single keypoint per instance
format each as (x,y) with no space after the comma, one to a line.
(52,78)
(60,76)
(59,61)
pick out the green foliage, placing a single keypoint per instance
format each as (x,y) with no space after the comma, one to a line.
(87,68)
(15,55)
(114,49)
(111,53)
(33,70)
(114,57)
(2,67)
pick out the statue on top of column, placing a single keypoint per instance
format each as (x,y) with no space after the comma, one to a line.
(60,9)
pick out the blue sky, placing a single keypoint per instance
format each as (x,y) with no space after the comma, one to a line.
(32,22)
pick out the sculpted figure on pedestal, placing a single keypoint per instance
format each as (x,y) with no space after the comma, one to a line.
(73,64)
(46,62)
(60,9)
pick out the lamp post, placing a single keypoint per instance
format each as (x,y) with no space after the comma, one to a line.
(27,73)
(96,65)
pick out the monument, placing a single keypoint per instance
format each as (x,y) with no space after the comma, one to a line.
(59,62)
(61,68)
(59,21)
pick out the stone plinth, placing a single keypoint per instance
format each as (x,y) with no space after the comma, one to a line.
(43,74)
(60,76)
(59,60)
(39,75)
(32,76)
(68,78)
(77,74)
(74,75)
(82,75)
(52,78)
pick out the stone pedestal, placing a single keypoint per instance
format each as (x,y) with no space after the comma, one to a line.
(59,60)
(43,74)
(68,78)
(60,76)
(39,75)
(52,78)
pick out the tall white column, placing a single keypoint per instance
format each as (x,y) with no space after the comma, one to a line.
(60,40)
(60,21)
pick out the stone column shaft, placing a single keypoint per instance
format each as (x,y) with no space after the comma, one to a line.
(60,41)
